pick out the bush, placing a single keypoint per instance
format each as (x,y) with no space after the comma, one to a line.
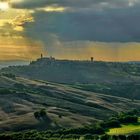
(88,137)
(128,119)
(43,113)
(56,135)
(110,124)
(37,115)
(60,116)
(5,91)
(19,86)
(105,137)
(42,116)
(9,75)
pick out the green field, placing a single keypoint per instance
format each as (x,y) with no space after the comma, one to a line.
(126,129)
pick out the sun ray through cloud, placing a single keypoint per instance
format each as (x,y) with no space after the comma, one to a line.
(76,25)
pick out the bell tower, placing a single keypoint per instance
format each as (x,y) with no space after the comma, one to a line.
(41,55)
(92,59)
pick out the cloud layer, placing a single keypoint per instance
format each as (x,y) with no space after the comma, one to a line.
(67,28)
(94,20)
(14,44)
(75,4)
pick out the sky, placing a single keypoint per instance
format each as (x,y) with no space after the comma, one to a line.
(107,30)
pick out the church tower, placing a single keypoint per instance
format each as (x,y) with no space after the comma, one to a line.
(41,55)
(92,59)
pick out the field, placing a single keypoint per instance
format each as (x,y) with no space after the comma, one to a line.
(126,129)
(73,93)
(65,105)
(115,79)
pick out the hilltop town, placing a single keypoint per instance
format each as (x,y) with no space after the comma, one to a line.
(52,60)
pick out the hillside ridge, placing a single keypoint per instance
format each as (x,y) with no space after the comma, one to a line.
(67,106)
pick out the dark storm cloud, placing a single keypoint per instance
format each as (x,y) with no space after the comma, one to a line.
(74,3)
(112,25)
(84,20)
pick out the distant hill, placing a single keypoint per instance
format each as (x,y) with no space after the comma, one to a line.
(65,105)
(13,63)
(119,79)
(71,72)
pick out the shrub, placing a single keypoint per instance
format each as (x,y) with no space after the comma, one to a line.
(42,116)
(9,75)
(88,137)
(105,137)
(128,119)
(37,115)
(19,86)
(5,91)
(43,113)
(110,124)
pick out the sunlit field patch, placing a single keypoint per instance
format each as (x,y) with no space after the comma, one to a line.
(126,129)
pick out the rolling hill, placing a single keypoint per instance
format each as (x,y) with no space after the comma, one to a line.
(71,72)
(117,79)
(65,105)
(72,93)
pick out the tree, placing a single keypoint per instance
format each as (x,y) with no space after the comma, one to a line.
(37,115)
(43,113)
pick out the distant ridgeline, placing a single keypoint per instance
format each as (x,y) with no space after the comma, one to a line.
(52,60)
(76,71)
